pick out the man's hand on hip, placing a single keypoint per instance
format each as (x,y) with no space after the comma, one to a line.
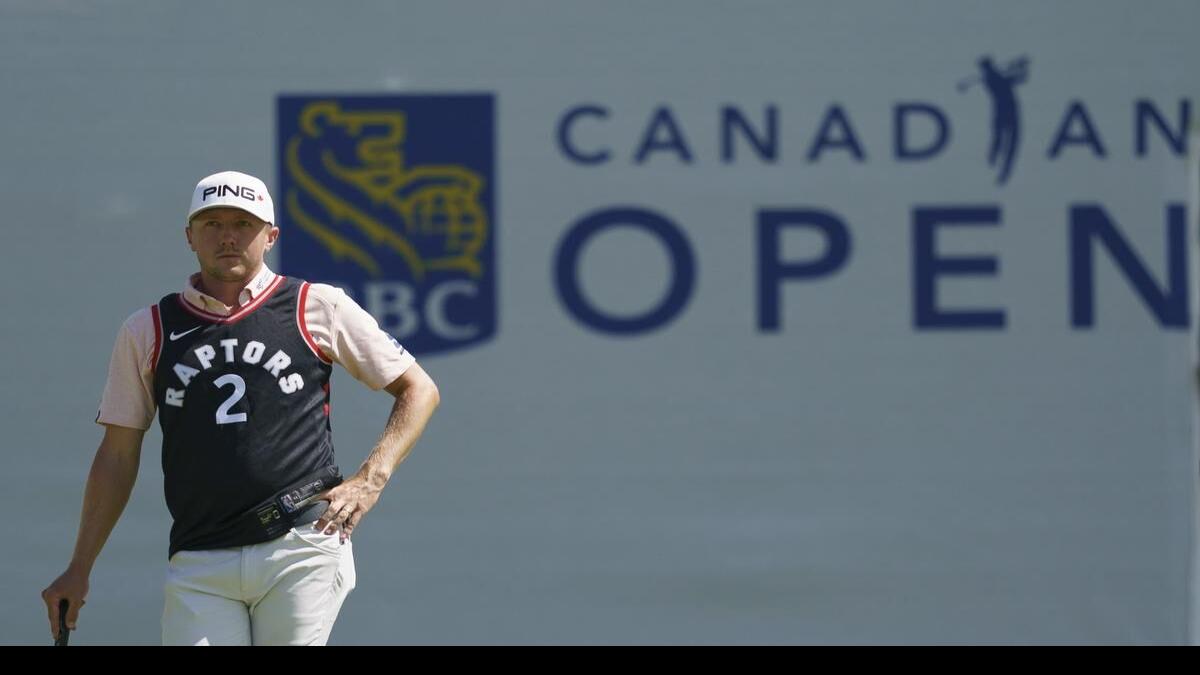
(348,503)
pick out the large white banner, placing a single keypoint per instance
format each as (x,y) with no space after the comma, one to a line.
(754,323)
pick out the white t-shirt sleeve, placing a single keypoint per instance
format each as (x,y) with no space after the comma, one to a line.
(128,398)
(350,336)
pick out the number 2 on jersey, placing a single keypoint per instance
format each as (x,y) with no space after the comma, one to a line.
(239,390)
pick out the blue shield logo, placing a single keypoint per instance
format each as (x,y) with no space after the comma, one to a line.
(391,198)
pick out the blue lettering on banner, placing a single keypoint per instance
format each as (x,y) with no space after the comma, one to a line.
(565,144)
(835,132)
(901,114)
(566,270)
(1176,141)
(1086,136)
(772,271)
(672,142)
(928,266)
(1090,223)
(765,146)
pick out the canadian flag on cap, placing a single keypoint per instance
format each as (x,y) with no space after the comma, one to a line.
(233,189)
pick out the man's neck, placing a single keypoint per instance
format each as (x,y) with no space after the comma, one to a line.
(228,292)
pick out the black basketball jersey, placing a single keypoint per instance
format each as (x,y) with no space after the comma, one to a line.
(243,402)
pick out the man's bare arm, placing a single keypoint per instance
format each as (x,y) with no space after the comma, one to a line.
(416,398)
(109,484)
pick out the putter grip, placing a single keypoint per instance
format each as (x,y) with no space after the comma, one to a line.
(63,633)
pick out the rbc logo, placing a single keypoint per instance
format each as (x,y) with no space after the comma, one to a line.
(391,198)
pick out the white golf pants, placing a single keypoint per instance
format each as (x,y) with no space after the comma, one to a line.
(286,591)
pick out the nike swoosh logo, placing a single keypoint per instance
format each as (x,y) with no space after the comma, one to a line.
(175,336)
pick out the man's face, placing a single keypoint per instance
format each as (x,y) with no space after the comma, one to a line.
(230,243)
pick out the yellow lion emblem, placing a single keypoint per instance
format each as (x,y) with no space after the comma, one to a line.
(442,224)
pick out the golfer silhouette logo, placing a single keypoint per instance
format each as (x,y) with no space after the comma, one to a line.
(1001,83)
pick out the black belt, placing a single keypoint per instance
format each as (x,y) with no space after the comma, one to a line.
(294,504)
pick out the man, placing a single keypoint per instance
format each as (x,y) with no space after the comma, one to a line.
(1001,84)
(237,366)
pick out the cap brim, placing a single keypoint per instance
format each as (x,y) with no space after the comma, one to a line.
(210,207)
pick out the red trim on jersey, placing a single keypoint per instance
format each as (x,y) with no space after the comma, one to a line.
(303,325)
(236,316)
(157,338)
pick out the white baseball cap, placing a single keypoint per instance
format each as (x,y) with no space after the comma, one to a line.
(233,189)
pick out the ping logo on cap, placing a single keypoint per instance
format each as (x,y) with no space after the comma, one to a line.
(225,190)
(233,189)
